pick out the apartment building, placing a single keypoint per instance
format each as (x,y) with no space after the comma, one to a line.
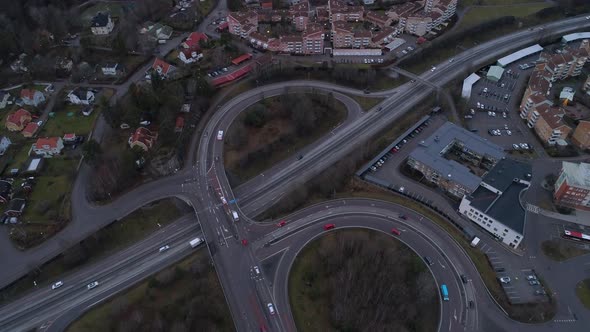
(242,23)
(417,25)
(300,20)
(346,35)
(548,124)
(378,19)
(495,204)
(581,136)
(340,11)
(313,39)
(385,36)
(458,144)
(292,44)
(531,104)
(572,188)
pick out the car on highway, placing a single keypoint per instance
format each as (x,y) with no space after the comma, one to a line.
(271,308)
(164,248)
(396,231)
(282,223)
(403,217)
(433,68)
(329,226)
(220,135)
(428,260)
(256,270)
(57,285)
(244,242)
(451,59)
(223,200)
(299,157)
(505,280)
(464,278)
(92,285)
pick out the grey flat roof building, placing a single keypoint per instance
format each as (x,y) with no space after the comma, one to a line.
(431,151)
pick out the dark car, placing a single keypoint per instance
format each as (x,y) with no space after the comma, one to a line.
(464,278)
(428,260)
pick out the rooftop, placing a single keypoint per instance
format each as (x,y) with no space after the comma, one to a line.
(502,175)
(519,55)
(431,152)
(577,175)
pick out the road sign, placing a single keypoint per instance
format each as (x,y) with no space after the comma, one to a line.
(233,201)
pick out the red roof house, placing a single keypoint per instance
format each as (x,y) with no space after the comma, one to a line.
(143,138)
(193,40)
(161,67)
(18,120)
(48,146)
(30,129)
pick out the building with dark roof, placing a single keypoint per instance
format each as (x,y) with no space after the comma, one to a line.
(102,24)
(495,204)
(438,156)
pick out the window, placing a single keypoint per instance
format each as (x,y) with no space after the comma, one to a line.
(505,230)
(518,237)
(495,229)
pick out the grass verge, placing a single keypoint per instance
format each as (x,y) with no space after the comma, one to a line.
(559,250)
(583,292)
(114,237)
(183,297)
(476,15)
(366,102)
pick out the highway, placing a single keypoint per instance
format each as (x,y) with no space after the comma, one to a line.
(203,183)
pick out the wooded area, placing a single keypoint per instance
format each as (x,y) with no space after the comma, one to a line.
(361,280)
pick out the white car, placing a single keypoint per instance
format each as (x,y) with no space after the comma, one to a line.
(433,68)
(220,135)
(506,126)
(505,280)
(164,248)
(509,132)
(57,285)
(515,146)
(256,270)
(92,285)
(223,200)
(531,277)
(451,59)
(271,308)
(504,115)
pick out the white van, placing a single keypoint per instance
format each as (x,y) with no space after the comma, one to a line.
(235,215)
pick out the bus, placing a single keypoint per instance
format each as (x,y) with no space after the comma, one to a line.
(576,235)
(444,292)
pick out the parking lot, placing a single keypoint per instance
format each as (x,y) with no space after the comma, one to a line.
(520,285)
(493,108)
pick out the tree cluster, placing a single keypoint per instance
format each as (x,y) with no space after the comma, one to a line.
(371,283)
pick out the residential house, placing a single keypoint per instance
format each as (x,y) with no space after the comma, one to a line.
(111,69)
(18,120)
(189,56)
(143,138)
(4,144)
(30,129)
(192,42)
(157,31)
(47,146)
(81,96)
(32,97)
(5,99)
(15,208)
(160,68)
(63,66)
(70,138)
(581,136)
(5,191)
(102,24)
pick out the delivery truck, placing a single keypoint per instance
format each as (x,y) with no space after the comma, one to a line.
(195,242)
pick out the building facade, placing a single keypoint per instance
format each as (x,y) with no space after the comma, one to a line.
(572,188)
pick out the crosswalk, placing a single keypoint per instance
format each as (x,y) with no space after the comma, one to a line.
(533,208)
(564,320)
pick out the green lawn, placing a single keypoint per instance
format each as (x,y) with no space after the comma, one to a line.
(476,15)
(583,292)
(61,123)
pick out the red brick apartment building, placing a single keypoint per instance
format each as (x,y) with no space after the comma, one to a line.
(572,187)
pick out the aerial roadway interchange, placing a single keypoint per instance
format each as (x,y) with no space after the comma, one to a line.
(203,183)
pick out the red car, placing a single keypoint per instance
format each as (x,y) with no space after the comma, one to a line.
(244,242)
(282,223)
(395,231)
(329,226)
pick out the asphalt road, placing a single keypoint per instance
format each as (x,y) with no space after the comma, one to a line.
(55,309)
(203,183)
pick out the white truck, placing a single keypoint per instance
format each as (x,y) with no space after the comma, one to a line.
(235,215)
(195,242)
(475,242)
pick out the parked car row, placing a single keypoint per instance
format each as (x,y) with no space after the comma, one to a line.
(367,61)
(217,72)
(521,146)
(396,148)
(495,95)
